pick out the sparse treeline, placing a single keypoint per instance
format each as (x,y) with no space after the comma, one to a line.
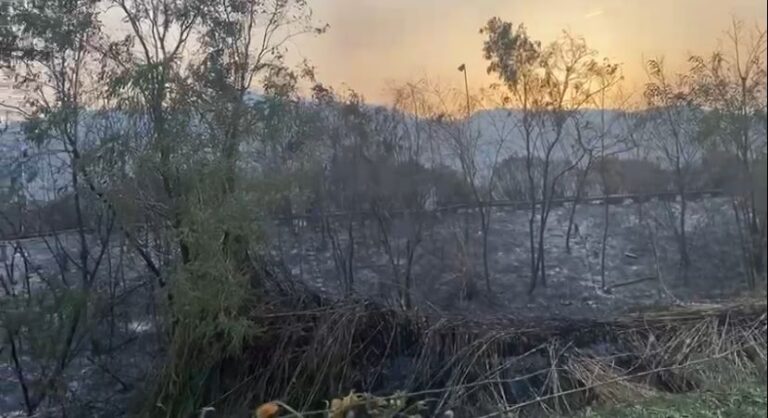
(164,157)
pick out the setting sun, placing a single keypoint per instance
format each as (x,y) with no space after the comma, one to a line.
(373,43)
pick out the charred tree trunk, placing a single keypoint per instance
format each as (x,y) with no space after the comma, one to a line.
(485,223)
(532,247)
(572,213)
(604,242)
(685,260)
(350,282)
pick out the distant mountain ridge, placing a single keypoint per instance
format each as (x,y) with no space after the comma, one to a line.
(496,131)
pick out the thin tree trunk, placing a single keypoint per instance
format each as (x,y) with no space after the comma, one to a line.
(603,242)
(540,265)
(685,260)
(606,208)
(405,296)
(18,369)
(758,240)
(745,251)
(572,212)
(532,247)
(350,259)
(541,269)
(411,246)
(485,220)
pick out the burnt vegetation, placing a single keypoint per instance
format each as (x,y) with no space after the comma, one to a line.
(186,228)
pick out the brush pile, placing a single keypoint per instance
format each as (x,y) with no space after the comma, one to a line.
(472,368)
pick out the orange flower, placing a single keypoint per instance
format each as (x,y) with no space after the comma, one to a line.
(267,410)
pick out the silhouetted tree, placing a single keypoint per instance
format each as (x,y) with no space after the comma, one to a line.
(549,85)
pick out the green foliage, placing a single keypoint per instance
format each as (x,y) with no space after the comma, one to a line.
(212,295)
(44,328)
(47,27)
(53,33)
(511,52)
(742,401)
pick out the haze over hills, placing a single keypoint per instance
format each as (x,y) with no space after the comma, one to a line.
(494,135)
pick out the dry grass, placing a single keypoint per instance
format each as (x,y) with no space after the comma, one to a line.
(499,369)
(593,373)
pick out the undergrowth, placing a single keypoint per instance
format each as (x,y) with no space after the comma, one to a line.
(742,401)
(310,360)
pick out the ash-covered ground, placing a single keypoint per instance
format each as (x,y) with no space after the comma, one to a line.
(447,278)
(641,244)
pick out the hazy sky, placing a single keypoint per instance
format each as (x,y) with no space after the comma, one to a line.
(374,42)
